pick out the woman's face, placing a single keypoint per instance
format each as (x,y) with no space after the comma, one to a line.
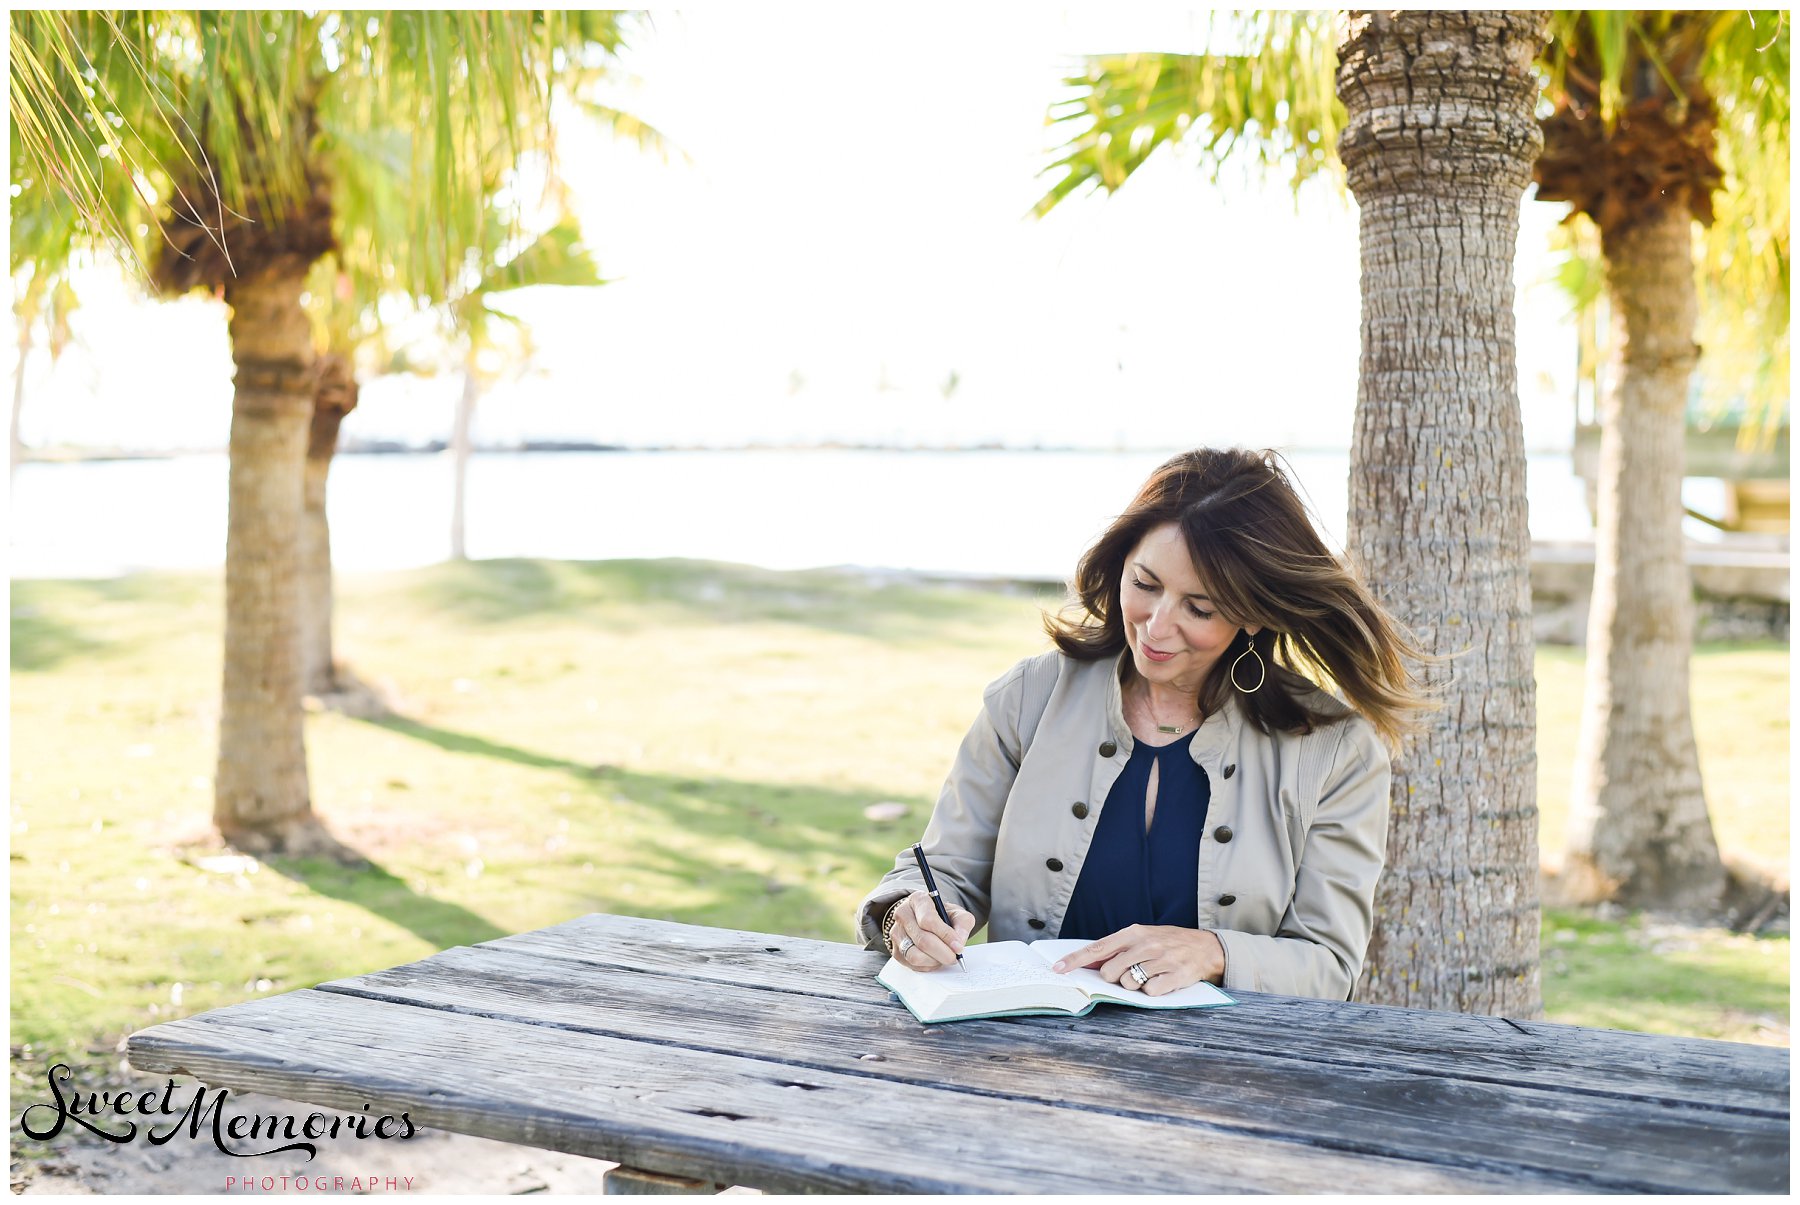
(1175,630)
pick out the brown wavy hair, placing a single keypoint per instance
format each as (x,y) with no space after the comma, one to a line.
(1262,563)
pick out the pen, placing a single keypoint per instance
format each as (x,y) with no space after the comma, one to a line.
(936,899)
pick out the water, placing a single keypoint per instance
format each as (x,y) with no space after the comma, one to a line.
(1027,514)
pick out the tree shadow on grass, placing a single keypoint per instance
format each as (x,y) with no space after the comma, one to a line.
(799,821)
(174,589)
(803,832)
(44,636)
(735,897)
(464,742)
(696,803)
(41,643)
(620,595)
(379,892)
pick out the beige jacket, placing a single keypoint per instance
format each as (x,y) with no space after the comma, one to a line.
(1296,829)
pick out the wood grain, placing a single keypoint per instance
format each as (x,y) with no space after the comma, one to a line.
(780,1063)
(1614,1143)
(1730,1076)
(684,1112)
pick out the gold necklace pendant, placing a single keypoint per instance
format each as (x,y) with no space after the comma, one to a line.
(1150,710)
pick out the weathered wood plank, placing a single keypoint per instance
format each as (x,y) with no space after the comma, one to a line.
(1611,1143)
(688,1113)
(795,964)
(636,1182)
(1724,1075)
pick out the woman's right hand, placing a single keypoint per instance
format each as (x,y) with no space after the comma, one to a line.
(929,943)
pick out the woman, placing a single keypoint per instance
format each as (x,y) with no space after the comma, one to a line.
(1166,783)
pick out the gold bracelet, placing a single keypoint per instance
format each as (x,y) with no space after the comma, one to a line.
(887,923)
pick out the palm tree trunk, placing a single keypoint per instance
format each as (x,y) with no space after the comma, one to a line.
(1439,145)
(320,673)
(18,445)
(459,457)
(260,798)
(335,397)
(1639,831)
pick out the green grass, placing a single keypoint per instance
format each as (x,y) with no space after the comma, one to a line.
(667,739)
(1740,703)
(1712,984)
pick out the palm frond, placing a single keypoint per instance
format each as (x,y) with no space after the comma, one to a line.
(1737,63)
(629,127)
(218,123)
(1744,253)
(1270,94)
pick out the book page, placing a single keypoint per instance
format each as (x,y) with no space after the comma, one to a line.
(1001,975)
(1051,948)
(992,965)
(1196,995)
(1094,983)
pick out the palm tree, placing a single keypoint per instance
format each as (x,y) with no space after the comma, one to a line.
(1265,100)
(346,303)
(1438,150)
(343,303)
(256,143)
(334,396)
(554,258)
(551,254)
(1634,146)
(1431,113)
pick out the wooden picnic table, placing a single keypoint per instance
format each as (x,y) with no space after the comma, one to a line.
(725,1057)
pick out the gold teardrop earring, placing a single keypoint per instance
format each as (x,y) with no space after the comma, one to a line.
(1262,671)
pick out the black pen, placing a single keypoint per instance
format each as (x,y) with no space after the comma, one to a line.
(931,888)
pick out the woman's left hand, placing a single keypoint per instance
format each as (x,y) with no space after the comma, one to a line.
(1172,956)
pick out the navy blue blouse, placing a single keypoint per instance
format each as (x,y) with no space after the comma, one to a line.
(1134,877)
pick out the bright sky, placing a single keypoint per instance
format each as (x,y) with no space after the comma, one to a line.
(852,228)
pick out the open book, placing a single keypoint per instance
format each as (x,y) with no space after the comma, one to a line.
(1014,979)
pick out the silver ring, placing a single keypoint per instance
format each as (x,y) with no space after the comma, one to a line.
(906,943)
(1137,973)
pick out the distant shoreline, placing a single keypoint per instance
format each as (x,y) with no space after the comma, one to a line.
(438,448)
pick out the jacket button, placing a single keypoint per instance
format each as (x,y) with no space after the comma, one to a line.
(1226,900)
(1035,923)
(1223,833)
(1080,811)
(1107,748)
(1230,770)
(1054,863)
